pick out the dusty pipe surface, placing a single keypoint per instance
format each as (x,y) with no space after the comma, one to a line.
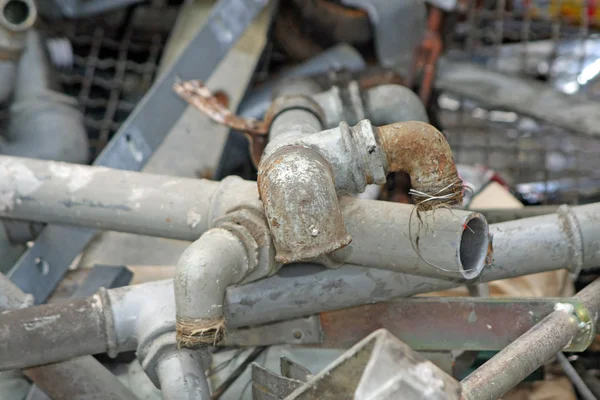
(180,208)
(442,242)
(104,198)
(526,354)
(206,268)
(44,123)
(141,312)
(46,333)
(112,321)
(518,360)
(79,378)
(182,377)
(523,247)
(16,17)
(387,104)
(382,105)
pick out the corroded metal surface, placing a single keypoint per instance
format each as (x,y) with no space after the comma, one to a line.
(198,95)
(303,212)
(422,151)
(449,323)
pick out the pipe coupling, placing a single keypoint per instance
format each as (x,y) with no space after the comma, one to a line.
(256,237)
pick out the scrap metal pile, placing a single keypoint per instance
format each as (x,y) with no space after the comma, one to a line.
(276,236)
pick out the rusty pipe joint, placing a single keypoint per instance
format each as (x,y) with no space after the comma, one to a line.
(299,180)
(304,169)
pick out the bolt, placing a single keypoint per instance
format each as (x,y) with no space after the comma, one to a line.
(297,334)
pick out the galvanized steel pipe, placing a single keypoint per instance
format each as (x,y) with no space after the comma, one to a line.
(446,242)
(181,208)
(79,378)
(82,377)
(523,247)
(44,123)
(206,268)
(112,321)
(136,314)
(515,362)
(47,332)
(16,17)
(181,376)
(104,198)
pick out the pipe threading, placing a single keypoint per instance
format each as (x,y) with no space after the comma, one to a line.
(422,151)
(197,333)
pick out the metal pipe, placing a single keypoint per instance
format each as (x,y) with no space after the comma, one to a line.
(82,377)
(79,378)
(446,242)
(46,332)
(298,193)
(304,290)
(356,156)
(206,268)
(136,315)
(582,388)
(181,376)
(43,123)
(183,208)
(104,198)
(16,17)
(423,152)
(515,362)
(386,104)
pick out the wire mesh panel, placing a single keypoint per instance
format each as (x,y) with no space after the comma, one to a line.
(553,41)
(113,65)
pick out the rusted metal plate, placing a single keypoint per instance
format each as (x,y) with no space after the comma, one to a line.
(443,323)
(294,331)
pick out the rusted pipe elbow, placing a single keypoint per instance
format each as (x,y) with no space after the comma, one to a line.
(422,151)
(296,186)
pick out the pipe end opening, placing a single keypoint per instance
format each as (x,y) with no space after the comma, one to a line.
(474,246)
(18,15)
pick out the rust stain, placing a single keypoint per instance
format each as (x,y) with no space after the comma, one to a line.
(422,151)
(215,107)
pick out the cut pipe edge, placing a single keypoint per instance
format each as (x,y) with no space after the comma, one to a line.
(17,15)
(475,250)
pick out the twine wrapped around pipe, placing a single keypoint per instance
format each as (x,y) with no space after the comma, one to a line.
(192,333)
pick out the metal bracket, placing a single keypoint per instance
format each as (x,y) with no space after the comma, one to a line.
(40,269)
